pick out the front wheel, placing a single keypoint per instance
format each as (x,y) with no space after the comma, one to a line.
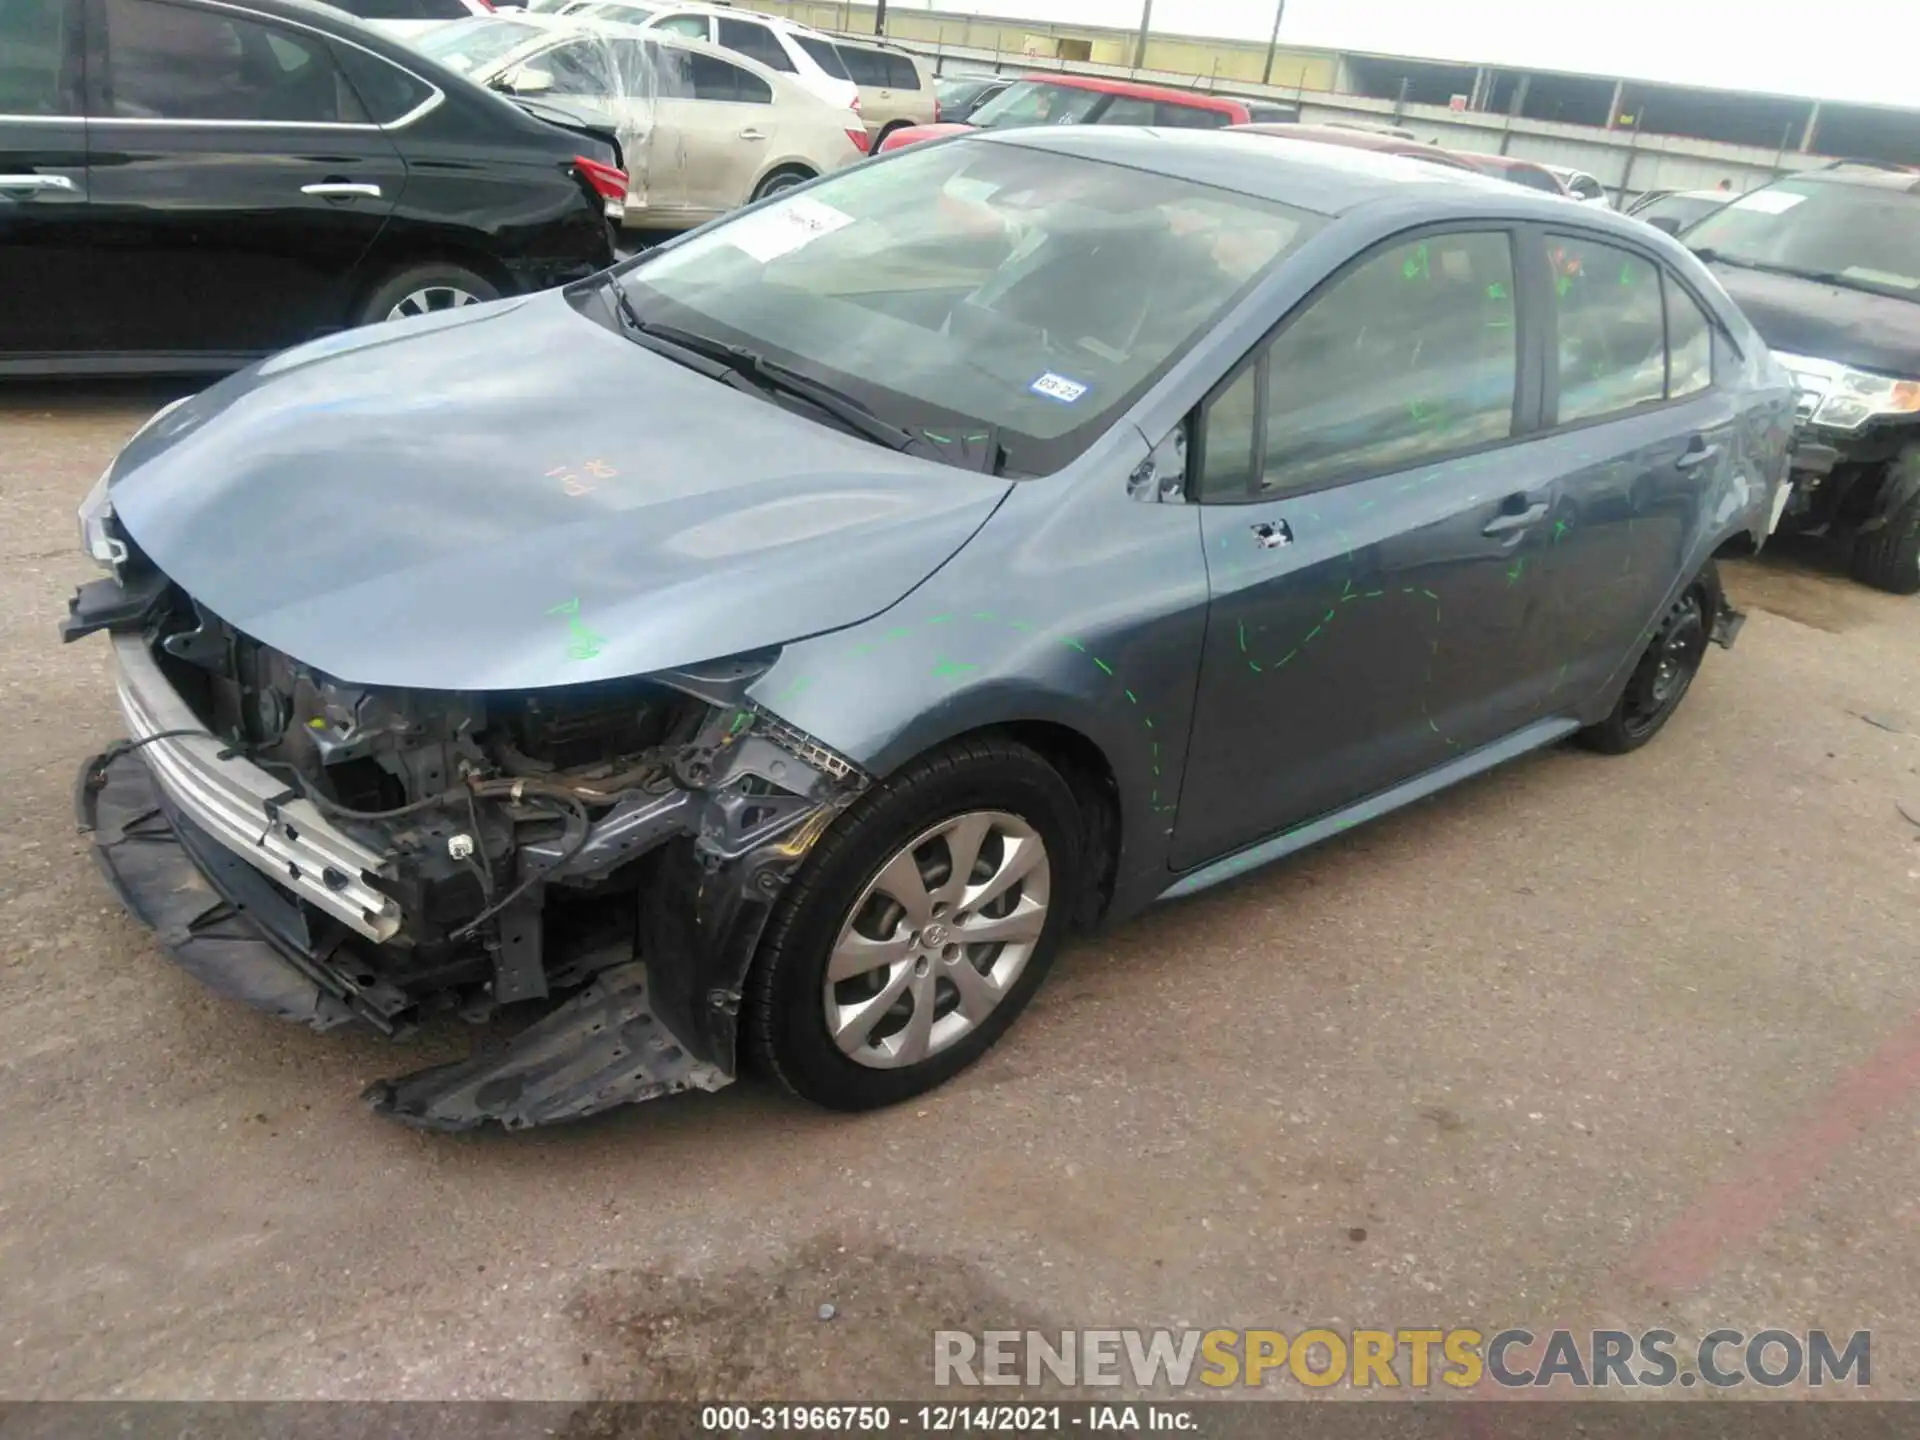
(919,928)
(1889,558)
(1664,675)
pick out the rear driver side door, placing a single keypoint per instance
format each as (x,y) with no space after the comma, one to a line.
(237,180)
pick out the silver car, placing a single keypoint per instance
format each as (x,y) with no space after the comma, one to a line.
(703,130)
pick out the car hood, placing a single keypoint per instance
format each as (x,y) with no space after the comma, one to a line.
(1827,322)
(513,496)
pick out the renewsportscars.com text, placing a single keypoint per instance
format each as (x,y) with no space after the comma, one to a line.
(1390,1359)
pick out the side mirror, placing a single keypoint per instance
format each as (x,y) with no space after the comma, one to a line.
(1665,222)
(524,80)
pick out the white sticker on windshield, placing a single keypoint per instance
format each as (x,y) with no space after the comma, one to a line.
(1768,202)
(1058,387)
(781,229)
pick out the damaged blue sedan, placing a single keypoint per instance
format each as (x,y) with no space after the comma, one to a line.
(765,652)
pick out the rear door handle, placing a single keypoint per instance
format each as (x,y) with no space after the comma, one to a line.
(750,133)
(342,190)
(38,182)
(1695,455)
(1510,521)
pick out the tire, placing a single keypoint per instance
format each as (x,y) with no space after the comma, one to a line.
(1654,691)
(780,180)
(422,289)
(1889,558)
(886,133)
(849,881)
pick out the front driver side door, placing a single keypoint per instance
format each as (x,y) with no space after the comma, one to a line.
(1372,529)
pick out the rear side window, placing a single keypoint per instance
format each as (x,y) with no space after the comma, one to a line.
(174,62)
(1126,110)
(902,73)
(756,42)
(1405,359)
(715,79)
(1689,344)
(581,67)
(1190,117)
(864,67)
(694,27)
(34,36)
(1611,328)
(386,91)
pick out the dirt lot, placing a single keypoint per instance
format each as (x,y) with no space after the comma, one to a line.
(1628,1042)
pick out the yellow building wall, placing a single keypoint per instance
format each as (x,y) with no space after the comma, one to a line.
(1204,60)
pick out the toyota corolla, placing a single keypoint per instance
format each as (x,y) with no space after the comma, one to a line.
(830,610)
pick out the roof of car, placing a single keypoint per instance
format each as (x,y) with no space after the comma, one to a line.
(1134,90)
(1877,177)
(1358,140)
(1326,179)
(731,12)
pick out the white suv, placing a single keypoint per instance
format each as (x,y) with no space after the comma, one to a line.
(806,55)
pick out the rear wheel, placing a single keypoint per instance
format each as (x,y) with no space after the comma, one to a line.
(919,929)
(1664,675)
(780,180)
(1889,558)
(424,290)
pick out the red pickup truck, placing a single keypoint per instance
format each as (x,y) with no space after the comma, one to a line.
(1088,100)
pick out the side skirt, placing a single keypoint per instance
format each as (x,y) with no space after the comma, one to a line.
(1535,736)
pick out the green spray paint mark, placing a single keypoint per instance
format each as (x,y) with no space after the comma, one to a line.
(1513,575)
(1430,595)
(1626,272)
(947,668)
(582,643)
(1559,529)
(1133,698)
(1242,629)
(740,722)
(1313,632)
(1103,664)
(1496,291)
(1253,667)
(1290,655)
(1417,266)
(1326,617)
(983,615)
(938,439)
(1076,645)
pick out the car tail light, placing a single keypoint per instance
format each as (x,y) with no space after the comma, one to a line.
(859,138)
(855,107)
(608,181)
(936,109)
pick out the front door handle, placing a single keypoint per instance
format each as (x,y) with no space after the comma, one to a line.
(753,133)
(1511,521)
(38,182)
(1695,455)
(341,190)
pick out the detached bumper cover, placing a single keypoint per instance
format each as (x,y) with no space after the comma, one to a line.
(143,851)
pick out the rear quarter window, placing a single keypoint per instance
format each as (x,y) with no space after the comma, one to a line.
(386,91)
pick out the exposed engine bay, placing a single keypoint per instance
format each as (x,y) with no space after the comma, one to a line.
(612,849)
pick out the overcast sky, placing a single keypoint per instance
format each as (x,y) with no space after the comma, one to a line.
(1861,50)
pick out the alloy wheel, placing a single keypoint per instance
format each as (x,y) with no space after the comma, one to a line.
(430,299)
(937,939)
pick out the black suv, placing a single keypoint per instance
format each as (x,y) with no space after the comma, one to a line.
(1827,266)
(186,185)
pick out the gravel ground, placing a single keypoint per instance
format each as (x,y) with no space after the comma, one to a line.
(1586,1042)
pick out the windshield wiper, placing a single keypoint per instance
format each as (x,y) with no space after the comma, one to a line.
(982,450)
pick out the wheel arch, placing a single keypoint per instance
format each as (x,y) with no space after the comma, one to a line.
(391,260)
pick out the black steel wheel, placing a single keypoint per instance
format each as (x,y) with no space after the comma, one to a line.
(1663,676)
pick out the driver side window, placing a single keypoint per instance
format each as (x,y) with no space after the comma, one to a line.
(1408,357)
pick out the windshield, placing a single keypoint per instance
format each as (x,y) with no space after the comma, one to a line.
(1866,236)
(976,284)
(1037,102)
(468,45)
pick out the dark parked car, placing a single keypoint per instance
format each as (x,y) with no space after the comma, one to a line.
(961,95)
(217,181)
(1827,265)
(851,597)
(1674,210)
